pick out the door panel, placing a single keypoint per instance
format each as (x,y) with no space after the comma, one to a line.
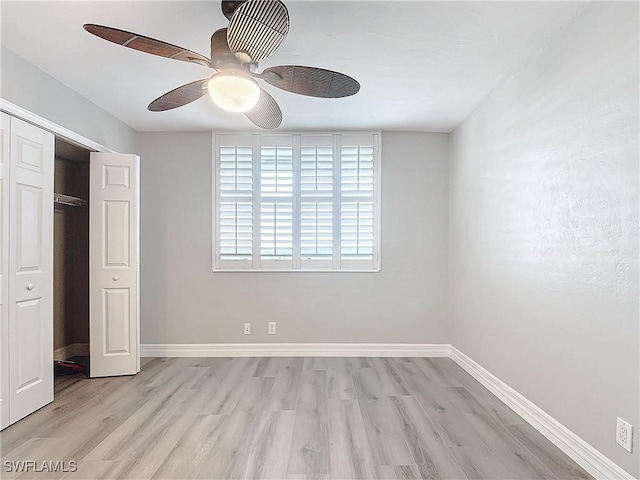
(30,268)
(116,234)
(117,176)
(29,248)
(30,349)
(113,260)
(116,317)
(4,264)
(29,154)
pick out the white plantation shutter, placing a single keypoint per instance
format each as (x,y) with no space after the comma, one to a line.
(316,224)
(316,168)
(316,235)
(236,230)
(276,230)
(234,208)
(357,234)
(276,171)
(356,170)
(276,201)
(296,202)
(317,174)
(357,200)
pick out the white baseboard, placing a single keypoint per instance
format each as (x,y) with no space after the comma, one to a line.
(295,350)
(73,350)
(594,462)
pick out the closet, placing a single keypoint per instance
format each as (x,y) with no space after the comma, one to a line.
(71,253)
(69,278)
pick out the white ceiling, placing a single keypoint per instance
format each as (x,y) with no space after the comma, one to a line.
(421,65)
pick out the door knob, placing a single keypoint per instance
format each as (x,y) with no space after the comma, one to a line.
(29,286)
(116,278)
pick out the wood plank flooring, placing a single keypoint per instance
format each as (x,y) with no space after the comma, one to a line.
(283,418)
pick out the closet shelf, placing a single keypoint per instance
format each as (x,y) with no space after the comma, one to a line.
(62,199)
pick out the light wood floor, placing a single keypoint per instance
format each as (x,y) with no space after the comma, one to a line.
(285,418)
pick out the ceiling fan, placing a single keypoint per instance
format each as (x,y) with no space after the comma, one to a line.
(256,29)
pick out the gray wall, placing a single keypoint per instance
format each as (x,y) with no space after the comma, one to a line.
(544,229)
(27,86)
(182,301)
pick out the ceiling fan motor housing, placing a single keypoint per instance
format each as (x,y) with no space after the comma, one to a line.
(221,57)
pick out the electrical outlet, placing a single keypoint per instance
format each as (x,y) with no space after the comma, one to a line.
(247,329)
(624,434)
(272,328)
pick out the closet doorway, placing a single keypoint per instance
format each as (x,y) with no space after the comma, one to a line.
(71,257)
(96,260)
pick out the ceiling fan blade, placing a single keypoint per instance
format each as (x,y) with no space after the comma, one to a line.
(311,81)
(146,44)
(266,113)
(179,96)
(228,7)
(257,28)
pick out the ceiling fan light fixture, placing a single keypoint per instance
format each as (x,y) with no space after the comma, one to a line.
(235,93)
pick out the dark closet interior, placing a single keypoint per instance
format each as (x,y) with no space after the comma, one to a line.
(71,253)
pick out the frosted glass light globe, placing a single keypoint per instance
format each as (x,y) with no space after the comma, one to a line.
(233,92)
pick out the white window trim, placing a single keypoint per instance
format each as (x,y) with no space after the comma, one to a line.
(337,262)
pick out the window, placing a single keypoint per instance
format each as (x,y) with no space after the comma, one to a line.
(296,202)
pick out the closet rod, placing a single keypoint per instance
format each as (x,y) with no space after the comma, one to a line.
(62,199)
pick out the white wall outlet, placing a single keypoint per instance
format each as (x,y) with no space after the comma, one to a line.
(247,329)
(624,434)
(272,328)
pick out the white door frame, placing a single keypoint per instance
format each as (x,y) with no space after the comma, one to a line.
(4,274)
(58,130)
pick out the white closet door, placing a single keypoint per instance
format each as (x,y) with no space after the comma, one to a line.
(30,268)
(4,261)
(113,264)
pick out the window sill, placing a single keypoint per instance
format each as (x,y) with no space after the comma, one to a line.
(282,270)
